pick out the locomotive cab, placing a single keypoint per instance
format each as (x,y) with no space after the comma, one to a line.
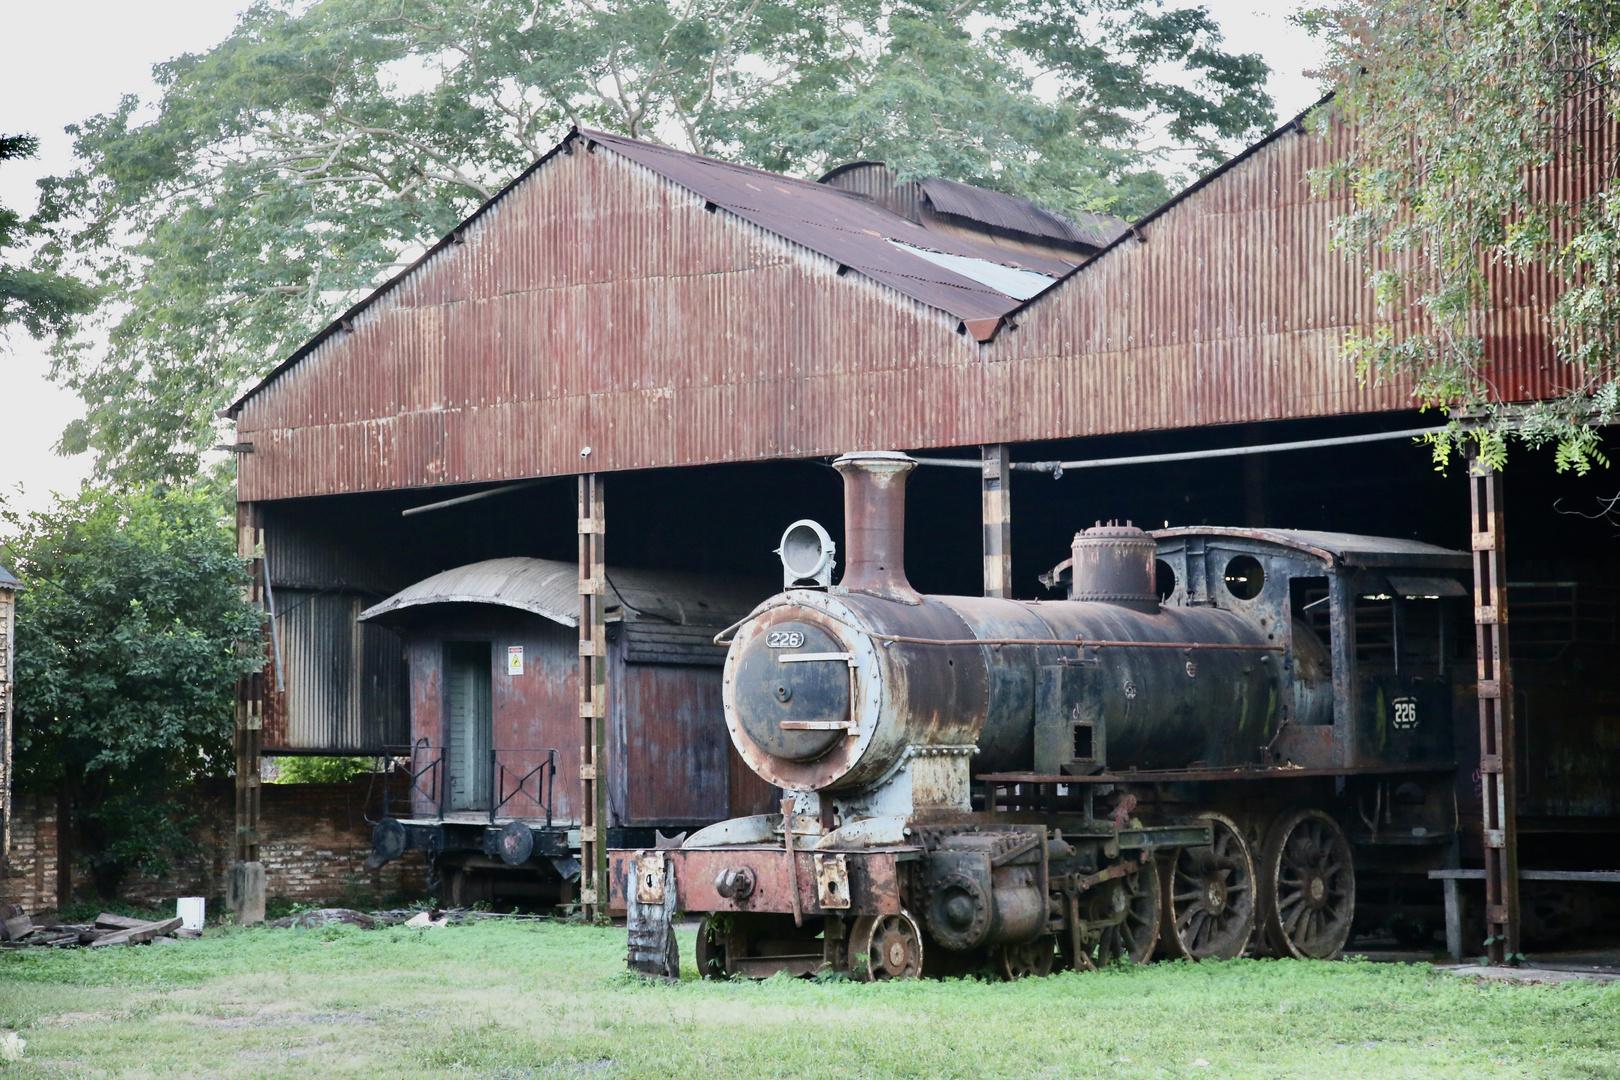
(1370,625)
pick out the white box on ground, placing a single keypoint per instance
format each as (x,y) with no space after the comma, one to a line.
(192,911)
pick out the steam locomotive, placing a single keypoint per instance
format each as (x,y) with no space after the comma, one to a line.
(1194,750)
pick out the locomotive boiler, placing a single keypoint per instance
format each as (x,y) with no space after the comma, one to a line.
(1174,754)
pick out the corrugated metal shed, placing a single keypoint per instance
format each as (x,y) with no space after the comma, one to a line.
(7,580)
(653,306)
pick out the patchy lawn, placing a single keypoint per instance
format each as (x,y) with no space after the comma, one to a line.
(539,1000)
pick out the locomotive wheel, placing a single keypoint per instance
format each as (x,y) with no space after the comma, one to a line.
(1208,901)
(1133,938)
(1026,960)
(885,947)
(1308,884)
(710,951)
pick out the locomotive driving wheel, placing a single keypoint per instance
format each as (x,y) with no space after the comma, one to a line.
(1208,901)
(885,947)
(1308,885)
(711,950)
(1026,960)
(1137,932)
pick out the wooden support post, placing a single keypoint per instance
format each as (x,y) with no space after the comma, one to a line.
(593,712)
(8,630)
(997,509)
(245,886)
(1498,786)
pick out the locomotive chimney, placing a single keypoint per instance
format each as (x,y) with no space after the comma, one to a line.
(875,524)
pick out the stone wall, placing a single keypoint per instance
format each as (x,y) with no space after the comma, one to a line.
(29,879)
(314,841)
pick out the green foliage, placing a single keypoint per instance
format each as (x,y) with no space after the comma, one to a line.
(131,633)
(1473,124)
(322,770)
(43,301)
(307,157)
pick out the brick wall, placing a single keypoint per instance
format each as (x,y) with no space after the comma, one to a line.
(314,841)
(29,880)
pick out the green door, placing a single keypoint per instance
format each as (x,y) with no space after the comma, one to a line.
(469,717)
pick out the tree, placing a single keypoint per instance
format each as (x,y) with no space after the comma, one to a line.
(1462,112)
(302,160)
(43,301)
(131,633)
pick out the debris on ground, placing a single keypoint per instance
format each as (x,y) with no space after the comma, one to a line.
(425,918)
(18,930)
(22,931)
(306,920)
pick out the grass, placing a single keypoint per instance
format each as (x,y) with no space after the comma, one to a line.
(504,1001)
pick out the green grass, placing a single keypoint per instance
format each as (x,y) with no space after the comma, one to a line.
(542,1000)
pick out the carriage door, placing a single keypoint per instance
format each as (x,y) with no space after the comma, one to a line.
(469,716)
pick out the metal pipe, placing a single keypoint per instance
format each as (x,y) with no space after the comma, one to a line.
(475,496)
(1058,468)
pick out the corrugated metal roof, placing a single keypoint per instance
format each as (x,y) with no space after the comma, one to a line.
(550,589)
(1350,549)
(7,580)
(841,226)
(1002,211)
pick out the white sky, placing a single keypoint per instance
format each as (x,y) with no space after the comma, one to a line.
(73,58)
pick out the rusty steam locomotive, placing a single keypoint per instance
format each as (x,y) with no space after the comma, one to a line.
(1177,756)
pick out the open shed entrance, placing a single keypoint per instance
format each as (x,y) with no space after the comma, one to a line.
(469,717)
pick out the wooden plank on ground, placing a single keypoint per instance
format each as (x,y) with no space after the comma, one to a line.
(105,921)
(138,934)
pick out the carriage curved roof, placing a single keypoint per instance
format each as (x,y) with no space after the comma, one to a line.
(550,588)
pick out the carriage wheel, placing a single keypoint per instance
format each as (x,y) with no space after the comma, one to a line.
(710,953)
(885,947)
(1209,896)
(1133,938)
(1309,883)
(1026,960)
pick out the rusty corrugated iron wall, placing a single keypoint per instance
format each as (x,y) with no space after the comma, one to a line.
(600,304)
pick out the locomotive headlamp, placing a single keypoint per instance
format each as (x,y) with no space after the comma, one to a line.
(806,551)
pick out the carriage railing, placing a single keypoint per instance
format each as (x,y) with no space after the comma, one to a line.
(510,780)
(425,761)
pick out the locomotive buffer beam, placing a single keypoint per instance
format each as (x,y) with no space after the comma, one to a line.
(758,879)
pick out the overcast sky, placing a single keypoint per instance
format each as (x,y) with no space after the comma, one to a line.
(71,59)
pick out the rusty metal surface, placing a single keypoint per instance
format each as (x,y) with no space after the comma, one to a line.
(1018,215)
(668,745)
(873,879)
(597,303)
(978,209)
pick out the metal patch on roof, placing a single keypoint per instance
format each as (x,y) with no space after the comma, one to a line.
(1008,280)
